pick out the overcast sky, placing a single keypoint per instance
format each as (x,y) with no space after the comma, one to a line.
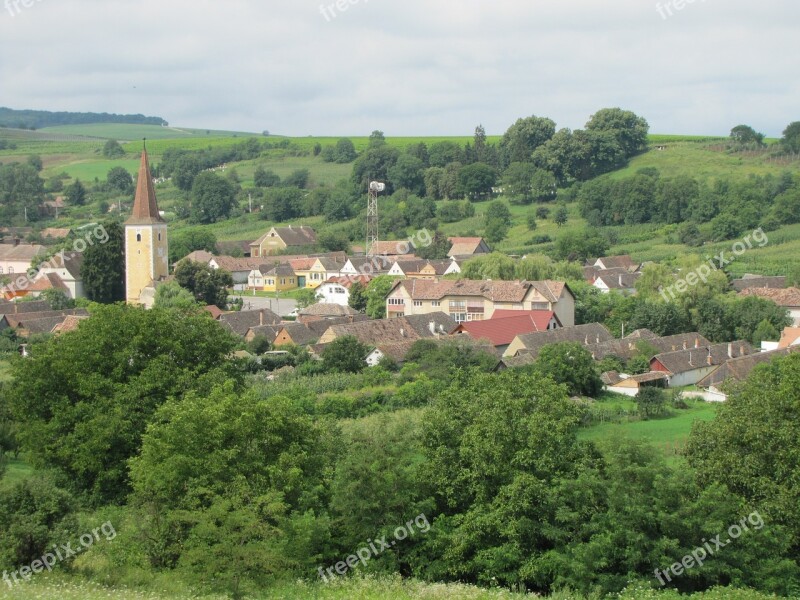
(407,67)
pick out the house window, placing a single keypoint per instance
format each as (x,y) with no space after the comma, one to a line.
(417,302)
(540,306)
(159,237)
(459,317)
(10,270)
(474,316)
(396,302)
(436,304)
(138,237)
(271,282)
(1,270)
(340,291)
(283,281)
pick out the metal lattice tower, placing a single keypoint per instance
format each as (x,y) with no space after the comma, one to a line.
(372,216)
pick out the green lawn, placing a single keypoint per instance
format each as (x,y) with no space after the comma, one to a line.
(17,469)
(669,433)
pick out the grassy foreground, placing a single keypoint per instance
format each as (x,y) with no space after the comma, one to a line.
(367,588)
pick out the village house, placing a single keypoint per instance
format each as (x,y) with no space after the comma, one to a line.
(790,336)
(67,267)
(623,261)
(336,290)
(788,298)
(326,310)
(632,345)
(467,247)
(736,370)
(423,269)
(506,325)
(617,280)
(393,249)
(531,344)
(278,239)
(401,329)
(758,281)
(16,258)
(267,331)
(687,367)
(295,334)
(470,300)
(240,322)
(629,385)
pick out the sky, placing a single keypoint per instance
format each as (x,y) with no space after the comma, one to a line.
(410,67)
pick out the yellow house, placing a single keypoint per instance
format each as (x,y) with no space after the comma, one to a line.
(280,279)
(323,269)
(302,269)
(278,239)
(146,249)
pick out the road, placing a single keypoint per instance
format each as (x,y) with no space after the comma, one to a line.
(282,306)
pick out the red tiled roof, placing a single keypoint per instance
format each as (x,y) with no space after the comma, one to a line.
(500,332)
(542,318)
(781,297)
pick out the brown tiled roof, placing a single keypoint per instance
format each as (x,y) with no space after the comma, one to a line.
(240,322)
(788,297)
(622,261)
(322,309)
(302,264)
(71,323)
(231,264)
(684,361)
(50,281)
(395,248)
(300,334)
(277,270)
(71,261)
(754,281)
(15,308)
(201,256)
(618,281)
(401,329)
(498,291)
(215,311)
(464,246)
(145,207)
(593,333)
(225,248)
(738,369)
(268,331)
(789,336)
(291,236)
(347,281)
(26,252)
(55,233)
(521,360)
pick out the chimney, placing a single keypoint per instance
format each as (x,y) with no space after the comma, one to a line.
(620,280)
(597,338)
(586,341)
(710,358)
(261,317)
(730,350)
(691,364)
(432,327)
(741,350)
(402,332)
(696,342)
(684,344)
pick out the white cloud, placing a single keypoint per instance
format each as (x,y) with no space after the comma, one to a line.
(411,67)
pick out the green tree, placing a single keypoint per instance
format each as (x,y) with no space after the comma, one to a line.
(377,291)
(629,129)
(208,286)
(518,182)
(496,230)
(172,295)
(345,355)
(752,445)
(345,151)
(57,299)
(791,137)
(376,139)
(120,179)
(744,134)
(298,178)
(35,161)
(306,297)
(264,179)
(571,364)
(581,245)
(561,216)
(112,149)
(213,197)
(185,241)
(103,267)
(477,180)
(407,173)
(524,137)
(88,422)
(765,331)
(282,204)
(494,266)
(358,297)
(76,193)
(650,402)
(530,221)
(438,248)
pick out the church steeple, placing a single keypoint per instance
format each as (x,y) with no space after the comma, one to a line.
(145,207)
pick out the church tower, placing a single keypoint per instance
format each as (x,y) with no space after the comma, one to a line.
(146,249)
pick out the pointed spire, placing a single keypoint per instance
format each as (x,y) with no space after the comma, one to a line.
(145,207)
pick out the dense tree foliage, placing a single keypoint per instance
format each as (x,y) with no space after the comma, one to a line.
(87,422)
(103,267)
(209,286)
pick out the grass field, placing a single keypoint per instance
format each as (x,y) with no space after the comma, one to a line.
(669,433)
